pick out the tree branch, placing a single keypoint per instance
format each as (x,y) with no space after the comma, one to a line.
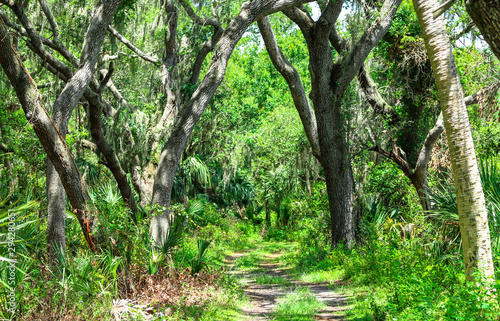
(426,150)
(396,155)
(443,8)
(75,87)
(130,46)
(466,30)
(302,19)
(112,161)
(106,78)
(50,17)
(209,44)
(294,82)
(36,42)
(474,98)
(202,54)
(116,93)
(374,98)
(214,22)
(371,36)
(88,145)
(5,149)
(68,55)
(171,33)
(329,17)
(339,43)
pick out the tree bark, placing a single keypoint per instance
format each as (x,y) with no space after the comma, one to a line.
(329,81)
(44,127)
(486,16)
(56,204)
(473,217)
(67,100)
(268,214)
(112,161)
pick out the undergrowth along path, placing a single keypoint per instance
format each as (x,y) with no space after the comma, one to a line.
(275,294)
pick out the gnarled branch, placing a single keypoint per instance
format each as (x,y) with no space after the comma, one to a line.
(294,82)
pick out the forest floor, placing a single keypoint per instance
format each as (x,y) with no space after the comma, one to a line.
(274,291)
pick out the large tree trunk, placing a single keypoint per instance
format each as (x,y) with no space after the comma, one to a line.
(486,15)
(56,203)
(325,127)
(473,217)
(340,187)
(64,106)
(332,135)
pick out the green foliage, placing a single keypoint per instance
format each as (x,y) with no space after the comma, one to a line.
(199,262)
(486,139)
(238,190)
(271,279)
(17,229)
(88,170)
(395,279)
(375,216)
(447,211)
(390,186)
(22,168)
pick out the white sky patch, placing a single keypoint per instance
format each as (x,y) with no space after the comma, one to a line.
(316,12)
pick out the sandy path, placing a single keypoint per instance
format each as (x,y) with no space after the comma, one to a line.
(265,297)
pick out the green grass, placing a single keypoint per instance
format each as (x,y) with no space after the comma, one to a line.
(321,276)
(300,305)
(247,262)
(271,279)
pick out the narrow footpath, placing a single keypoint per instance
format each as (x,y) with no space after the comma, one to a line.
(275,295)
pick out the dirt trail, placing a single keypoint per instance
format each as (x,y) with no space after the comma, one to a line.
(264,298)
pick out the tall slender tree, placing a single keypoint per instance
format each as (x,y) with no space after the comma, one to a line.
(473,217)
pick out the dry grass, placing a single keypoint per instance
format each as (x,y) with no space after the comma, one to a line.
(166,292)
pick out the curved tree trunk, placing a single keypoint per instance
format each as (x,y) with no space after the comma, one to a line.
(63,107)
(326,128)
(486,16)
(56,203)
(171,153)
(473,217)
(112,161)
(422,186)
(44,127)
